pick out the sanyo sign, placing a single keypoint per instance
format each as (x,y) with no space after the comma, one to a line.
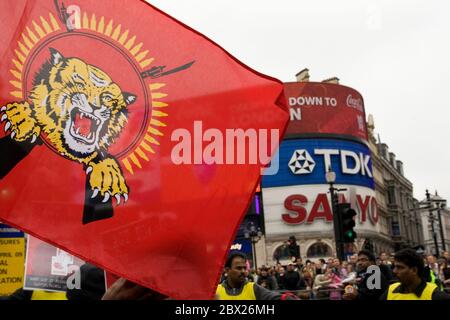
(307,209)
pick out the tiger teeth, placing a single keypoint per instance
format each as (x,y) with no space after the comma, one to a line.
(81,116)
(77,130)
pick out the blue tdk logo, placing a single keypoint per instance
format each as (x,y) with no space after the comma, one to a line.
(306,161)
(352,163)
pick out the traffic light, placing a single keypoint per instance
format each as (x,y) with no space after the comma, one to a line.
(347,214)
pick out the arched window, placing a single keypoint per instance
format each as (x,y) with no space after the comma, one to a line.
(319,249)
(281,253)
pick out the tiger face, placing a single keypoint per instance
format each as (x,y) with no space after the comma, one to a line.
(80,108)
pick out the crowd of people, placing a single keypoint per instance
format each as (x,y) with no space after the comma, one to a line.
(404,275)
(334,279)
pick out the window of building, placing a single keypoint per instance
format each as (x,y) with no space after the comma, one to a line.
(319,249)
(395,228)
(281,253)
(391,195)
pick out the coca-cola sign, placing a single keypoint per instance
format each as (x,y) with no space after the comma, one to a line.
(325,108)
(356,103)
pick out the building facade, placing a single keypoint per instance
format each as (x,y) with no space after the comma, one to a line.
(400,216)
(436,236)
(403,213)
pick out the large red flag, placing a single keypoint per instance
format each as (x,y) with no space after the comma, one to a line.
(116,140)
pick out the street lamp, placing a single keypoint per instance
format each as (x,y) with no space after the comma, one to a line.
(254,235)
(330,177)
(441,206)
(439,203)
(431,220)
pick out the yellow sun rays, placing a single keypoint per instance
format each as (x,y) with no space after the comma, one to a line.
(153,132)
(37,30)
(116,32)
(27,40)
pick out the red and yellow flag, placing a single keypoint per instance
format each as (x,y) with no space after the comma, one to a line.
(116,124)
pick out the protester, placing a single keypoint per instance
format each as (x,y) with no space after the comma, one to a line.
(363,292)
(307,278)
(280,278)
(26,295)
(409,270)
(321,266)
(291,279)
(92,287)
(92,284)
(266,280)
(236,287)
(321,283)
(444,272)
(384,259)
(446,255)
(431,272)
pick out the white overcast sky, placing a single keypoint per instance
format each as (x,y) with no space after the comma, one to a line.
(396,53)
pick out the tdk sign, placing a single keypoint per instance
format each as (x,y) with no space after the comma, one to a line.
(305,161)
(302,162)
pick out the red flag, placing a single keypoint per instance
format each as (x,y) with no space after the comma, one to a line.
(108,101)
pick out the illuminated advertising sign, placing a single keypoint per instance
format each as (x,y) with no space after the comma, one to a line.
(242,245)
(303,209)
(305,161)
(325,108)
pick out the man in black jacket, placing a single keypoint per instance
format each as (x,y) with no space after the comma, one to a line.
(368,287)
(292,279)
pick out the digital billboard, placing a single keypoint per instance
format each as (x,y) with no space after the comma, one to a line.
(306,161)
(325,108)
(307,209)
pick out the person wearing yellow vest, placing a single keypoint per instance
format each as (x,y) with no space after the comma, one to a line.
(236,286)
(409,270)
(25,295)
(48,295)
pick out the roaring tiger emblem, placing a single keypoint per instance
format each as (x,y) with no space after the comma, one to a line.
(81,111)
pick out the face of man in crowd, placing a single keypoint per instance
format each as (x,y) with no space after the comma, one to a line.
(431,259)
(336,262)
(446,255)
(290,267)
(264,273)
(442,261)
(383,256)
(362,263)
(353,259)
(404,273)
(281,270)
(236,274)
